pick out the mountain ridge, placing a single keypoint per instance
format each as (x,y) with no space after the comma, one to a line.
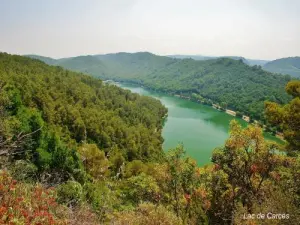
(250,62)
(289,65)
(229,82)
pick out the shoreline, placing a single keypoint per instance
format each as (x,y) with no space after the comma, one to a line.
(220,109)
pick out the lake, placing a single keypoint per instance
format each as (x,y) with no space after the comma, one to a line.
(198,127)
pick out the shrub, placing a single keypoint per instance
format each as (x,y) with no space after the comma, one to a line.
(69,193)
(147,213)
(94,160)
(23,170)
(102,198)
(135,168)
(26,204)
(140,188)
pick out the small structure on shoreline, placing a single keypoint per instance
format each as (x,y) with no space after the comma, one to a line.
(183,97)
(246,118)
(215,106)
(279,135)
(230,112)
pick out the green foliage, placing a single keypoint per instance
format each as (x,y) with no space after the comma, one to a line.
(23,170)
(287,117)
(70,193)
(94,160)
(101,146)
(185,192)
(134,168)
(49,111)
(140,188)
(103,198)
(147,213)
(293,88)
(223,80)
(247,162)
(251,175)
(117,161)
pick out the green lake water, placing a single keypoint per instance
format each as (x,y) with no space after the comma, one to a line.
(198,127)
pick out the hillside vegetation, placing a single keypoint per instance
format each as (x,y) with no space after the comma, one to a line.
(289,66)
(227,82)
(74,150)
(73,108)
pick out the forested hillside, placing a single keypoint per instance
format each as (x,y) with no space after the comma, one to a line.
(289,66)
(74,150)
(78,109)
(227,82)
(230,83)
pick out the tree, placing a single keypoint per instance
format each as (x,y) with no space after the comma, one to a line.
(245,164)
(174,160)
(287,117)
(184,187)
(94,160)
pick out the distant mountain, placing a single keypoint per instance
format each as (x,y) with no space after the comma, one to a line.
(289,66)
(229,82)
(117,65)
(47,60)
(250,62)
(195,57)
(258,62)
(134,65)
(85,64)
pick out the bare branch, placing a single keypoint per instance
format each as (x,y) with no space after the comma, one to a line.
(7,146)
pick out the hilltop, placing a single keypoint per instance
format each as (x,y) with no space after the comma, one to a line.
(250,62)
(290,65)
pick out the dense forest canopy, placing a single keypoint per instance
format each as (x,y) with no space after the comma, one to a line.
(78,109)
(228,82)
(74,150)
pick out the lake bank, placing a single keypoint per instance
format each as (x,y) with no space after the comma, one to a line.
(200,128)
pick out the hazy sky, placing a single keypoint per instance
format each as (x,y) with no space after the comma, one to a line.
(261,29)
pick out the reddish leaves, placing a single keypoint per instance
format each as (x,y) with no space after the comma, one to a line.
(21,204)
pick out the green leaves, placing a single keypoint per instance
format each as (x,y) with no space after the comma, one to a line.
(140,188)
(70,193)
(94,160)
(287,117)
(60,110)
(293,88)
(225,81)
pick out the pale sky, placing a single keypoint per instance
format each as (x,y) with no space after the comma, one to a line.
(257,29)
